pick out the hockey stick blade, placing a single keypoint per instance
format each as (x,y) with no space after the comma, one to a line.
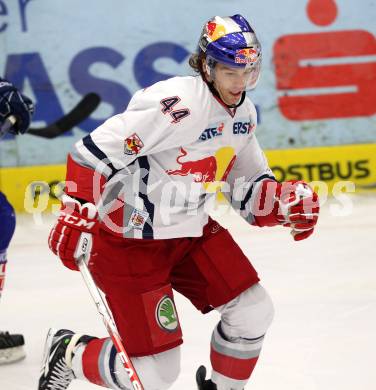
(78,114)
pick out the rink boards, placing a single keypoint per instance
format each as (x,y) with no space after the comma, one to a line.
(331,169)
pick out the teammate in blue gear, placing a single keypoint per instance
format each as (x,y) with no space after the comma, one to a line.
(14,104)
(20,108)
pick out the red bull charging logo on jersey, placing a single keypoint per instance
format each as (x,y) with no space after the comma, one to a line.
(248,55)
(203,170)
(211,169)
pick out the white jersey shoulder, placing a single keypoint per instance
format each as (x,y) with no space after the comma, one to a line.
(175,105)
(188,90)
(157,118)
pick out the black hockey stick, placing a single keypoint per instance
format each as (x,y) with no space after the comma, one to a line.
(78,114)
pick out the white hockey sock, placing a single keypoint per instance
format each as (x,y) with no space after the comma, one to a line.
(233,362)
(237,340)
(98,362)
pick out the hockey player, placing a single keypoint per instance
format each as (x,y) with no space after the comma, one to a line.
(152,172)
(12,103)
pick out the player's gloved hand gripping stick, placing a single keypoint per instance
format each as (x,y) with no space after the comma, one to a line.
(16,109)
(82,256)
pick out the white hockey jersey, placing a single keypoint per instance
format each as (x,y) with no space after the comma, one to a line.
(164,158)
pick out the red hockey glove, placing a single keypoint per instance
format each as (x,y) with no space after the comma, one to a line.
(74,219)
(292,204)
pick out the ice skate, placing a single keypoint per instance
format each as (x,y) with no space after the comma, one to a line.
(56,372)
(203,384)
(11,347)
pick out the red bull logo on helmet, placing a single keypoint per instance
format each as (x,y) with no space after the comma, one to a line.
(247,55)
(133,144)
(215,30)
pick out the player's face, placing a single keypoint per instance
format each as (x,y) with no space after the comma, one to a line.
(230,82)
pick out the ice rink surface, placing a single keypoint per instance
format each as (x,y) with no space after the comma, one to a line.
(324,289)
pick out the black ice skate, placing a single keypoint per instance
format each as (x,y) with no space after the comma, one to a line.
(203,384)
(56,372)
(11,347)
